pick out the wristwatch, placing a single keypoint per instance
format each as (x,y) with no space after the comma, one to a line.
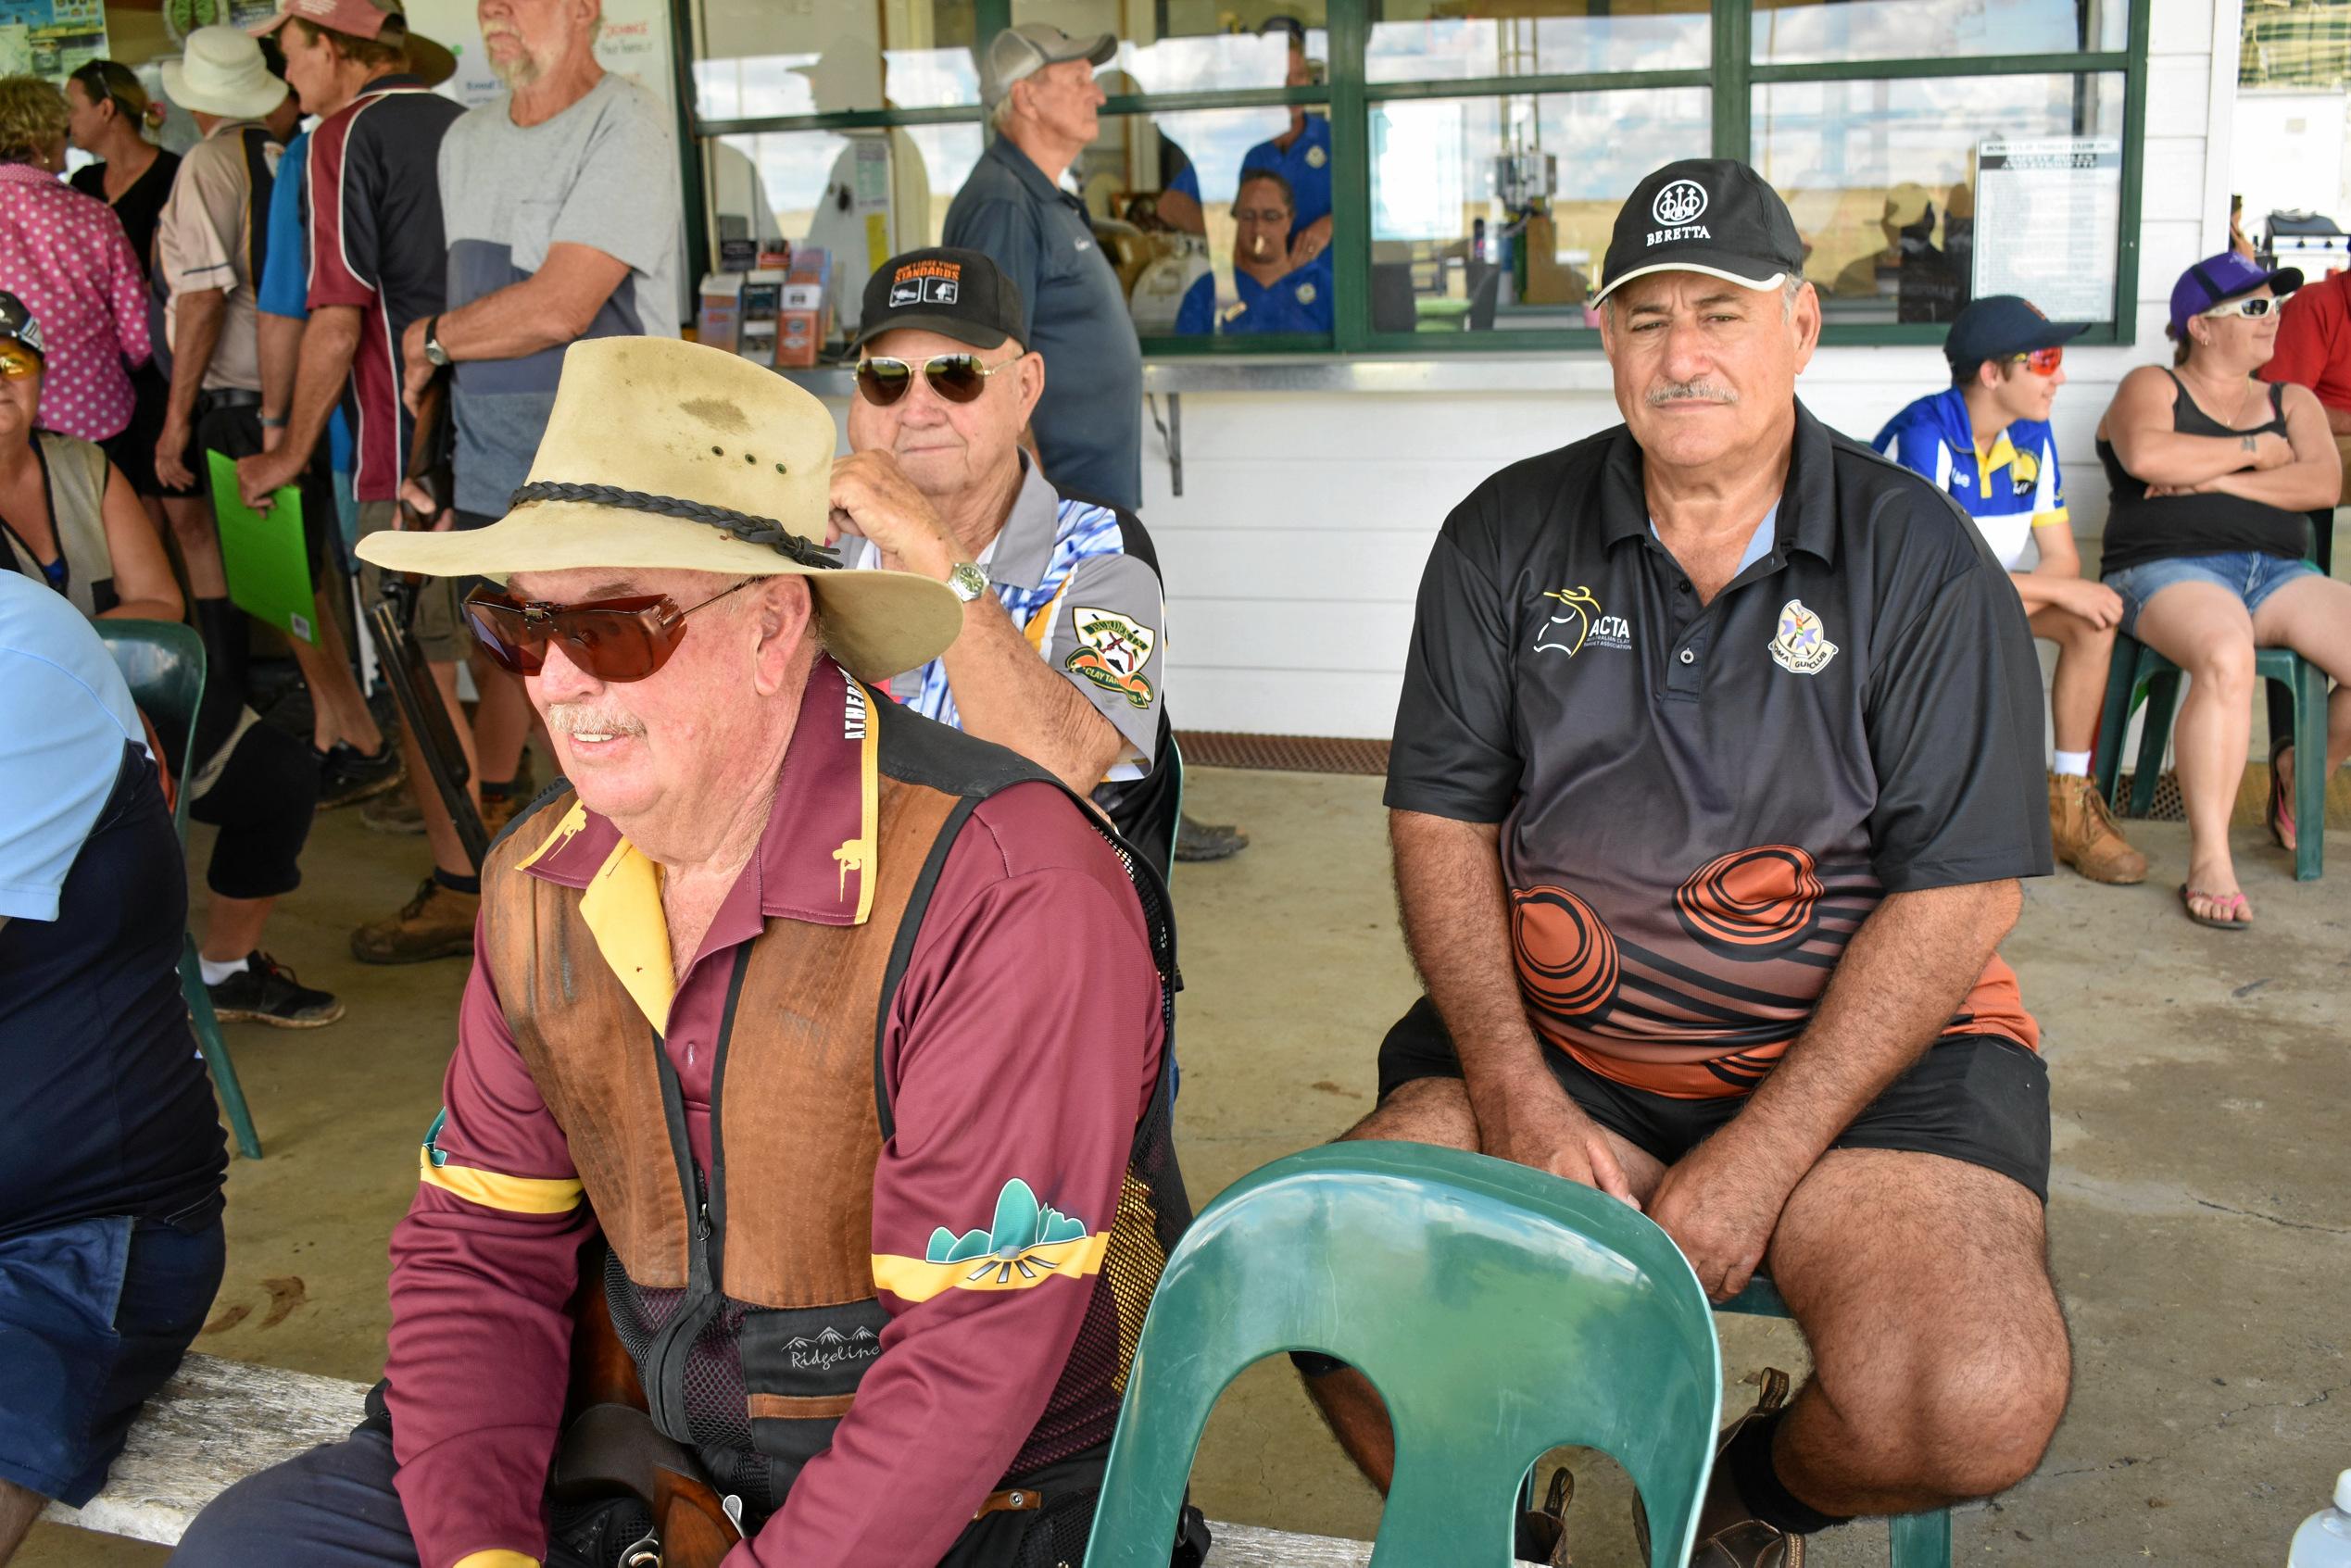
(432,349)
(966,580)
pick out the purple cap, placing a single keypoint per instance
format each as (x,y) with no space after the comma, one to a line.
(2220,278)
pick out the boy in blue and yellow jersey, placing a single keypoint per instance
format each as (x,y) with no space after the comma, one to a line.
(1986,443)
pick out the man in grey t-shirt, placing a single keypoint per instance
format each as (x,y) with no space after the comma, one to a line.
(560,202)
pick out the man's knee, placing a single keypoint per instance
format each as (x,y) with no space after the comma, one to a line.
(1432,1111)
(334,1507)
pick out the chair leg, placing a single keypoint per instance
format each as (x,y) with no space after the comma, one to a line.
(2155,733)
(1921,1541)
(2309,782)
(215,1051)
(2113,716)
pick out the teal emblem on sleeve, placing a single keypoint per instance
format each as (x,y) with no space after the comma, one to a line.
(433,1150)
(1022,1226)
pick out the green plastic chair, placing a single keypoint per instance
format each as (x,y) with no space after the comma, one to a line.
(163,663)
(2297,701)
(1500,1312)
(1917,1540)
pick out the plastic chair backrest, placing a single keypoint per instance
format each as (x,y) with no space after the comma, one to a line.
(1500,1312)
(163,662)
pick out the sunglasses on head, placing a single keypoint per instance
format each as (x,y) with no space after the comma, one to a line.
(2257,306)
(17,361)
(2041,361)
(958,378)
(613,640)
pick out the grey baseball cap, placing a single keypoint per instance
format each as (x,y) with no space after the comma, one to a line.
(1018,50)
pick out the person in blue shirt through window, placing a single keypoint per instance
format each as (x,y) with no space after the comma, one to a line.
(1277,291)
(1300,155)
(1986,443)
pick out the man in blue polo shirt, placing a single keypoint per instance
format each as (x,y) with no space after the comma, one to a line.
(1986,443)
(1301,155)
(1044,101)
(110,1240)
(1276,292)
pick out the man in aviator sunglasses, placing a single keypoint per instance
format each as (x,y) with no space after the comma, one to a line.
(937,482)
(1986,443)
(841,1029)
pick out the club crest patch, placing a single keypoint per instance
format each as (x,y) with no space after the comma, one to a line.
(1316,157)
(1112,649)
(1803,646)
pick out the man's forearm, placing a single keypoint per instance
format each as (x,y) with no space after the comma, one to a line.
(196,316)
(1449,889)
(280,342)
(328,345)
(1902,975)
(1008,695)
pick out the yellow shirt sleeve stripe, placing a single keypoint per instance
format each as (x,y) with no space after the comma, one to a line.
(914,1279)
(514,1195)
(2057,518)
(497,1560)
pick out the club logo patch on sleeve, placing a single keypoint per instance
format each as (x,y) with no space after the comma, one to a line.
(1028,1243)
(1112,649)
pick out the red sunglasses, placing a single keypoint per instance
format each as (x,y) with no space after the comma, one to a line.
(2043,361)
(615,640)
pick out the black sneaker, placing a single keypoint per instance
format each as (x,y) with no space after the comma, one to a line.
(347,775)
(265,991)
(1207,841)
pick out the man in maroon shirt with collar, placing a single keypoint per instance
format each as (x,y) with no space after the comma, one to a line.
(881,1207)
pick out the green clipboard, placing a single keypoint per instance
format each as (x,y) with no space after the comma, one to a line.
(268,565)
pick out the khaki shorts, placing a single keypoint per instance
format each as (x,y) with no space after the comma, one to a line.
(440,632)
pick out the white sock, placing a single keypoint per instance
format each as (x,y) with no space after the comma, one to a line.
(216,973)
(2073,763)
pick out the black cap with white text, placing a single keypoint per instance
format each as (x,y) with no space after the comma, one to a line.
(1709,215)
(959,294)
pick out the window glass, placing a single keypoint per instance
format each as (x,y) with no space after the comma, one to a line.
(1431,40)
(1912,196)
(823,188)
(1203,248)
(1495,213)
(1794,31)
(763,60)
(1196,45)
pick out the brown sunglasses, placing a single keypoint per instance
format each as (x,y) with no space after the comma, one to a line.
(614,640)
(958,378)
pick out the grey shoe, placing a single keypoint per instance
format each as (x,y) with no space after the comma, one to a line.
(1207,841)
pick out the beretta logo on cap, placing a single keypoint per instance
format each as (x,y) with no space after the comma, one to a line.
(929,282)
(1679,206)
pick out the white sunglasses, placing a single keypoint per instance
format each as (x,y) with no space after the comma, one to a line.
(2257,306)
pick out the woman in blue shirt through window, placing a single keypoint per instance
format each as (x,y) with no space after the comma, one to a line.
(1275,294)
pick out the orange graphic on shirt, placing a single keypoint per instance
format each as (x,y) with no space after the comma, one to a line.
(1753,905)
(1568,958)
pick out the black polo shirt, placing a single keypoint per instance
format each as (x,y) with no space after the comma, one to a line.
(1700,803)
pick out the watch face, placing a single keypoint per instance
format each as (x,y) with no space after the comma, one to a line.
(968,581)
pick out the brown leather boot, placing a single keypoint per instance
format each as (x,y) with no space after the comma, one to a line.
(2082,832)
(1726,1540)
(436,924)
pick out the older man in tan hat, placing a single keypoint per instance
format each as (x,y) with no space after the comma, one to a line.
(886,1197)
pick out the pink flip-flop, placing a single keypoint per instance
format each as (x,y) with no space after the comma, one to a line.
(2242,911)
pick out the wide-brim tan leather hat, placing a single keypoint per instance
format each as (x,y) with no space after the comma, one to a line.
(666,454)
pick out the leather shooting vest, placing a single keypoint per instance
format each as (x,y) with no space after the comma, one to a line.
(749,1301)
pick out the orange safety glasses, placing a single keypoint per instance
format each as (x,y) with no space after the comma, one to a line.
(2043,361)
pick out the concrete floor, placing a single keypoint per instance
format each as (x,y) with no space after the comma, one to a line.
(2199,1217)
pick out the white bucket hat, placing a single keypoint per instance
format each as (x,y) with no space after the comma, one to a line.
(220,72)
(661,453)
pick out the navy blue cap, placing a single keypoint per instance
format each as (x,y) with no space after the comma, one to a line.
(2000,325)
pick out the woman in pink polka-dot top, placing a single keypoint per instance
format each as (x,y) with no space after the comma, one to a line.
(64,256)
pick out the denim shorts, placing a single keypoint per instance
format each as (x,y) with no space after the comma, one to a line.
(94,1318)
(2249,574)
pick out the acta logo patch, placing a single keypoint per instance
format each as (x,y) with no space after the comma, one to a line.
(1580,625)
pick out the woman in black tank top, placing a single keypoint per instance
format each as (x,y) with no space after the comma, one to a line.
(2215,473)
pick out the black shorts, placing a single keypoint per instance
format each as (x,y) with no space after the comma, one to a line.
(132,448)
(1976,1097)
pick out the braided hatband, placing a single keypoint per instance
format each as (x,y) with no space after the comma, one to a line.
(742,526)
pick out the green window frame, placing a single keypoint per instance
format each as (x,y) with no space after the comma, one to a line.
(1730,78)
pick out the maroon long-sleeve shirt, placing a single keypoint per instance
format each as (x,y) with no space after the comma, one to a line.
(1021,1043)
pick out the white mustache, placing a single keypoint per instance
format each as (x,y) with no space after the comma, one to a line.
(570,719)
(1679,392)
